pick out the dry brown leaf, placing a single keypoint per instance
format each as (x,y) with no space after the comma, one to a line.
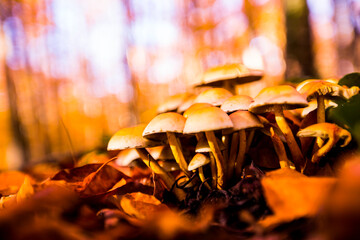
(91,179)
(292,195)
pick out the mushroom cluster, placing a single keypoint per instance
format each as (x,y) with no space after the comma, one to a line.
(207,139)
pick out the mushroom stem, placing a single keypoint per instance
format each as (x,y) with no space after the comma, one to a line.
(324,149)
(233,152)
(213,170)
(320,108)
(279,149)
(157,169)
(202,177)
(241,154)
(225,140)
(249,139)
(219,160)
(177,151)
(320,118)
(293,146)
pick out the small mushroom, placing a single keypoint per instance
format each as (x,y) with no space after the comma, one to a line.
(329,131)
(324,89)
(131,137)
(186,104)
(165,126)
(229,75)
(173,102)
(236,102)
(213,96)
(276,99)
(197,162)
(208,120)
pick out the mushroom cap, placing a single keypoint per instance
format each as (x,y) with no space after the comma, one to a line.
(283,95)
(207,119)
(162,123)
(203,145)
(126,156)
(173,102)
(195,107)
(214,96)
(237,102)
(312,88)
(130,137)
(186,104)
(235,73)
(243,120)
(197,161)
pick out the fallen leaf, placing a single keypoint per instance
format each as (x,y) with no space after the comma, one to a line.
(141,205)
(292,195)
(10,182)
(26,190)
(92,179)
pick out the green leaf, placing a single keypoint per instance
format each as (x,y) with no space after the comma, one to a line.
(351,79)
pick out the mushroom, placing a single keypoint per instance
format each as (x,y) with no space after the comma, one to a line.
(229,75)
(165,126)
(197,162)
(195,107)
(131,137)
(186,104)
(324,89)
(241,120)
(213,96)
(203,147)
(276,99)
(208,120)
(173,102)
(236,102)
(329,131)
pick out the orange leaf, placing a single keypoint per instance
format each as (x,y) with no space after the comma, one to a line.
(292,195)
(26,190)
(140,205)
(10,182)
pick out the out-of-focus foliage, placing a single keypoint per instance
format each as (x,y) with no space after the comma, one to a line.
(347,113)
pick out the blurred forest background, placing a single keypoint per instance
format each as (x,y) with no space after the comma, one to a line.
(72,72)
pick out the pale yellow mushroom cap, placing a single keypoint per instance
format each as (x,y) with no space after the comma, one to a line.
(243,120)
(162,123)
(130,137)
(197,161)
(126,156)
(312,88)
(186,104)
(237,102)
(213,96)
(207,119)
(195,107)
(173,102)
(283,95)
(235,73)
(326,130)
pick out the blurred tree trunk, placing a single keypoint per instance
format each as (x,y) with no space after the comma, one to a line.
(18,130)
(299,49)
